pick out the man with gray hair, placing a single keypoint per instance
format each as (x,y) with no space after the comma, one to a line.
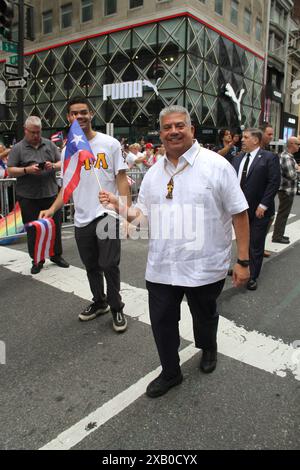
(259,175)
(189,199)
(34,162)
(287,190)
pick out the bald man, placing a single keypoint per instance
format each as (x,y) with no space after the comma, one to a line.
(287,189)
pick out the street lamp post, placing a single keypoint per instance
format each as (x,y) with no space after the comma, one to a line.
(20,91)
(266,58)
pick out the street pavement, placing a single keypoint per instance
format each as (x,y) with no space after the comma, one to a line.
(72,385)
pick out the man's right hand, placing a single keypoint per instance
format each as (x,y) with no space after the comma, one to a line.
(109,200)
(46,214)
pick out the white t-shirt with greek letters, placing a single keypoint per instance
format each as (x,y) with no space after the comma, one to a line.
(109,161)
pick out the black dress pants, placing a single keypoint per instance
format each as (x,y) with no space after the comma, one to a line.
(30,209)
(101,256)
(164,307)
(258,232)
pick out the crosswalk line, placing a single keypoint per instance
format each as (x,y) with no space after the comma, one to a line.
(292,231)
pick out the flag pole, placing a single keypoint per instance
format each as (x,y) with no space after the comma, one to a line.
(100,187)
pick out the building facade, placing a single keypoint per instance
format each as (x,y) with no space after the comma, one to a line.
(131,58)
(283,68)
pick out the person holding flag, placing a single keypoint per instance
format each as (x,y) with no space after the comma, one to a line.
(92,161)
(57,137)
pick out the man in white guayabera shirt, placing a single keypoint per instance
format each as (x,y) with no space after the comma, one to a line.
(190,198)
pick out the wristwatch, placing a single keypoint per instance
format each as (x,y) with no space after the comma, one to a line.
(243,262)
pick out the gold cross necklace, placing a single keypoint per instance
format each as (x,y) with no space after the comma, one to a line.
(170,185)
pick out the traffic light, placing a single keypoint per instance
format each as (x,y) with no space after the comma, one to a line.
(6,18)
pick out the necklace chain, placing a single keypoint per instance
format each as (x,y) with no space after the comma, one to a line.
(170,185)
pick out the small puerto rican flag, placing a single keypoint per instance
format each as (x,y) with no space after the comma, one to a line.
(45,238)
(57,137)
(77,151)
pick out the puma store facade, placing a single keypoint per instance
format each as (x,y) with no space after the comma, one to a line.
(129,74)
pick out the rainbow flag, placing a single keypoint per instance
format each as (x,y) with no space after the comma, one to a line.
(10,225)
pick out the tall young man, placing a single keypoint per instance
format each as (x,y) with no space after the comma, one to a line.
(99,254)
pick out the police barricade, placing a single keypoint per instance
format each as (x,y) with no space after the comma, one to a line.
(135,177)
(11,225)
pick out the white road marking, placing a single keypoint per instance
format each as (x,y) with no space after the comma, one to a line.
(250,347)
(75,434)
(292,231)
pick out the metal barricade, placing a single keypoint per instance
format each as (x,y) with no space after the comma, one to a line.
(135,177)
(11,225)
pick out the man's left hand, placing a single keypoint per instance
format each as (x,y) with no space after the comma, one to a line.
(48,166)
(260,212)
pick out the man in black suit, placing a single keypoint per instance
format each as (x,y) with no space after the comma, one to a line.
(259,175)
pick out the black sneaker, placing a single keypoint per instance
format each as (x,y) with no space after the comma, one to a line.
(119,321)
(92,311)
(37,267)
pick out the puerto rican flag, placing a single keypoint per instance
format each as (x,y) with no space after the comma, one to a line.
(45,238)
(58,137)
(3,170)
(77,151)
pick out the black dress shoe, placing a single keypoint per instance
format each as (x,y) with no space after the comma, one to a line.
(208,361)
(251,284)
(62,263)
(286,238)
(35,269)
(160,386)
(283,240)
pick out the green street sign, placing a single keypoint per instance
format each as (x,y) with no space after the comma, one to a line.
(5,32)
(13,60)
(8,46)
